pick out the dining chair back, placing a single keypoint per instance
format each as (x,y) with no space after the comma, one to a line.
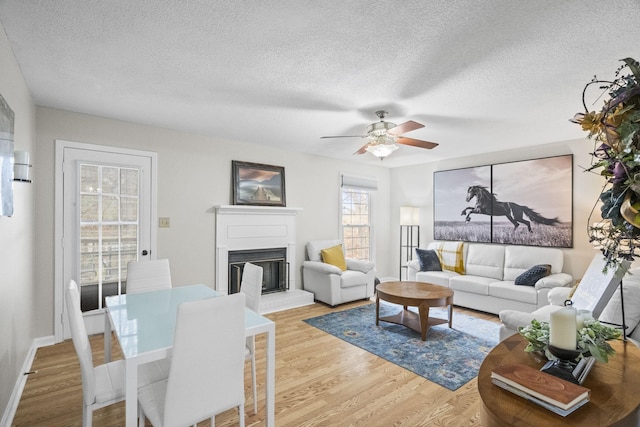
(150,275)
(83,350)
(102,385)
(207,366)
(251,286)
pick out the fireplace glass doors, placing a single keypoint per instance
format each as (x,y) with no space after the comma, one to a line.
(275,276)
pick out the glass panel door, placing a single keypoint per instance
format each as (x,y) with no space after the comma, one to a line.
(109,221)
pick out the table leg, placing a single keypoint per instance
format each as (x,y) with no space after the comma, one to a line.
(131,392)
(450,314)
(377,309)
(107,337)
(423,311)
(271,376)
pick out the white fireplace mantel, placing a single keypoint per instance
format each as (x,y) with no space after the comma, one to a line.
(240,227)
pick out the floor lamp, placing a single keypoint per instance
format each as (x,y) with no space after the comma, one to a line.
(409,234)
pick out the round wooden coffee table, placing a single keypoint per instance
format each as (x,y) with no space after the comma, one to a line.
(414,294)
(615,390)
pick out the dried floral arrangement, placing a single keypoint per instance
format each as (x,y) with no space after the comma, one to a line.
(615,130)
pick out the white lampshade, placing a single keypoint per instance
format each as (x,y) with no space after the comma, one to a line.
(409,215)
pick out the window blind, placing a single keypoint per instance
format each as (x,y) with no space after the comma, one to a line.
(358,182)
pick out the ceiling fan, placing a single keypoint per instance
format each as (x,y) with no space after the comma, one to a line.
(384,137)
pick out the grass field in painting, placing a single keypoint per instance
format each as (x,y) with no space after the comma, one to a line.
(559,236)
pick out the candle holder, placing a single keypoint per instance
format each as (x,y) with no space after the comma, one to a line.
(564,365)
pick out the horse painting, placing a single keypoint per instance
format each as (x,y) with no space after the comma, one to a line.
(487,204)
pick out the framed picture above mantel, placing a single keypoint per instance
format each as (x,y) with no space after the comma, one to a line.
(257,184)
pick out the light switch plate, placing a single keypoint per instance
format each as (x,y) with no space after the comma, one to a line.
(164,222)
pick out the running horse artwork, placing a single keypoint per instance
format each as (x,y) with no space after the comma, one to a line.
(487,204)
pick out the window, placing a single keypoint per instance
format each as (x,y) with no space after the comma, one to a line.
(108,230)
(356,223)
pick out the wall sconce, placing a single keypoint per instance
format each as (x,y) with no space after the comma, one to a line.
(409,234)
(21,166)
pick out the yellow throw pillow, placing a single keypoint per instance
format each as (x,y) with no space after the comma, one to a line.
(334,256)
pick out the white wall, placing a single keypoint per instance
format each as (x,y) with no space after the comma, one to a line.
(17,310)
(413,186)
(194,175)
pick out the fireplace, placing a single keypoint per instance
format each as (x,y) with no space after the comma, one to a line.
(275,268)
(253,232)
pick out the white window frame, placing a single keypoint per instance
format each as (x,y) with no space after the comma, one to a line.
(361,183)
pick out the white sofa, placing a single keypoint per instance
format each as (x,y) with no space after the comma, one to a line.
(489,274)
(329,283)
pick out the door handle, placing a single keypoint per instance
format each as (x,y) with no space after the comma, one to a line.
(145,252)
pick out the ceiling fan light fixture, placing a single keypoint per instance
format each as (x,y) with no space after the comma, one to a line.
(381,150)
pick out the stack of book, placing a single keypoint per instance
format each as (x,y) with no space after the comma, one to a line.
(550,392)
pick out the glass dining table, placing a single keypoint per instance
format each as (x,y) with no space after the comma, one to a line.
(144,325)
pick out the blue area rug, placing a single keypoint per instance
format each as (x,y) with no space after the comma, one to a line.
(449,357)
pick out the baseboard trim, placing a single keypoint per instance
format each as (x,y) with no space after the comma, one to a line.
(16,394)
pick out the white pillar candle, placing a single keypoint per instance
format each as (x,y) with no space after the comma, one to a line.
(579,321)
(581,317)
(562,328)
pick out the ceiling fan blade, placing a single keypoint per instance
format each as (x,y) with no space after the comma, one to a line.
(363,149)
(405,127)
(416,142)
(344,136)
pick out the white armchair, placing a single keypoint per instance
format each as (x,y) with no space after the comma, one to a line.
(329,283)
(611,314)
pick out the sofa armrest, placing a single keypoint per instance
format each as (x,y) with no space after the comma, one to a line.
(554,280)
(321,267)
(558,295)
(360,265)
(414,264)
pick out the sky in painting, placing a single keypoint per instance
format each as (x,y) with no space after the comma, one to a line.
(544,185)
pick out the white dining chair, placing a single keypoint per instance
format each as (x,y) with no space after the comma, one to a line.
(251,286)
(207,366)
(148,275)
(102,385)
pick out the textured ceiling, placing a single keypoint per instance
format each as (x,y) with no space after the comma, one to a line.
(481,75)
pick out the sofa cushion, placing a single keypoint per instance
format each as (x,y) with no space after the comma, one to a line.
(334,256)
(351,278)
(485,260)
(472,284)
(518,259)
(428,259)
(532,275)
(315,246)
(509,291)
(440,278)
(451,255)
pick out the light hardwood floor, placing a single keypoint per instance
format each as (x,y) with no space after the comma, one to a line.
(320,381)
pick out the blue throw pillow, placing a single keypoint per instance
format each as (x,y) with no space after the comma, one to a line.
(428,259)
(532,275)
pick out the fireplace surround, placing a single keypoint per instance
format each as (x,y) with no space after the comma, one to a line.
(255,228)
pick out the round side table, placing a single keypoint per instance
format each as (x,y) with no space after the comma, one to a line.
(615,390)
